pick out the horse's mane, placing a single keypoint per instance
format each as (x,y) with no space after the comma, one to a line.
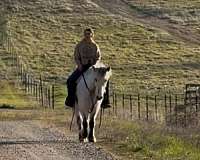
(99,66)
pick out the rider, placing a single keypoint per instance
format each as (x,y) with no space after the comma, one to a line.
(86,54)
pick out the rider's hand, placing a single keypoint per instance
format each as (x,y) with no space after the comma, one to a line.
(80,68)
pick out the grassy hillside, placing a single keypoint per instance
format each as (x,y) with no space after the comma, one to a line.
(141,56)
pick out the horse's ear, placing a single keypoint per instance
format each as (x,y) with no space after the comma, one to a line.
(108,69)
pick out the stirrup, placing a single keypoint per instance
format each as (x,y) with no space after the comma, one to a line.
(105,106)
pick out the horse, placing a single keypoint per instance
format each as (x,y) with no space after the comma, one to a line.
(89,95)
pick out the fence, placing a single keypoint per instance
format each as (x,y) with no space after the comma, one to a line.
(168,108)
(41,90)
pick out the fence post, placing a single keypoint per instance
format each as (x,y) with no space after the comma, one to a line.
(113,100)
(28,82)
(21,73)
(45,97)
(165,108)
(185,116)
(170,104)
(156,107)
(131,107)
(36,92)
(49,98)
(41,91)
(32,86)
(123,106)
(139,106)
(176,109)
(53,96)
(147,107)
(196,103)
(116,104)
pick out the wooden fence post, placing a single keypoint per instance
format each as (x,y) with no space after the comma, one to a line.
(49,98)
(116,104)
(113,101)
(147,107)
(36,92)
(165,108)
(131,107)
(41,91)
(28,82)
(156,108)
(196,103)
(176,109)
(170,104)
(185,116)
(139,106)
(53,97)
(123,106)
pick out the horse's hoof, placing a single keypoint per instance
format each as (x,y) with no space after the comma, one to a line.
(93,140)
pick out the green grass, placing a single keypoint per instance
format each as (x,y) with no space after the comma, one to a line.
(10,96)
(145,141)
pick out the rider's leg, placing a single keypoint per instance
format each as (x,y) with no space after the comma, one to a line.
(71,87)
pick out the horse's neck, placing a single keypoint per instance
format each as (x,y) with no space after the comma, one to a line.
(86,79)
(89,78)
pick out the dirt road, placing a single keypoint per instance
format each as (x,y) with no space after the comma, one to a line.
(31,140)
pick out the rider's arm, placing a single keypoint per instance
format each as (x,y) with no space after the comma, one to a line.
(77,58)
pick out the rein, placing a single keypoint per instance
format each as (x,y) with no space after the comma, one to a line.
(93,104)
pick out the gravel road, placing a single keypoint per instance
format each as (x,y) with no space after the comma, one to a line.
(30,140)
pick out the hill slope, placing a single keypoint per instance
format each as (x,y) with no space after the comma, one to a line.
(143,53)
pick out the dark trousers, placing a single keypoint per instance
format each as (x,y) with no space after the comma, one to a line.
(71,82)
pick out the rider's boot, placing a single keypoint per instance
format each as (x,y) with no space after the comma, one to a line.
(69,101)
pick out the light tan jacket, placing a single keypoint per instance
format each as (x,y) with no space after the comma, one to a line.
(87,53)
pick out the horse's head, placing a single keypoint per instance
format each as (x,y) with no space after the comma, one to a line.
(102,75)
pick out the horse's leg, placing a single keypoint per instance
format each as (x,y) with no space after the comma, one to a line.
(91,136)
(79,123)
(85,127)
(82,127)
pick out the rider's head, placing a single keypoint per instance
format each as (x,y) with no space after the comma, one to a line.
(88,33)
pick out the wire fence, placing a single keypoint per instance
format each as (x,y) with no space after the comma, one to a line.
(170,108)
(43,92)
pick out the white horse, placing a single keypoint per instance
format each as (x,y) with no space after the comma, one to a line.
(90,91)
